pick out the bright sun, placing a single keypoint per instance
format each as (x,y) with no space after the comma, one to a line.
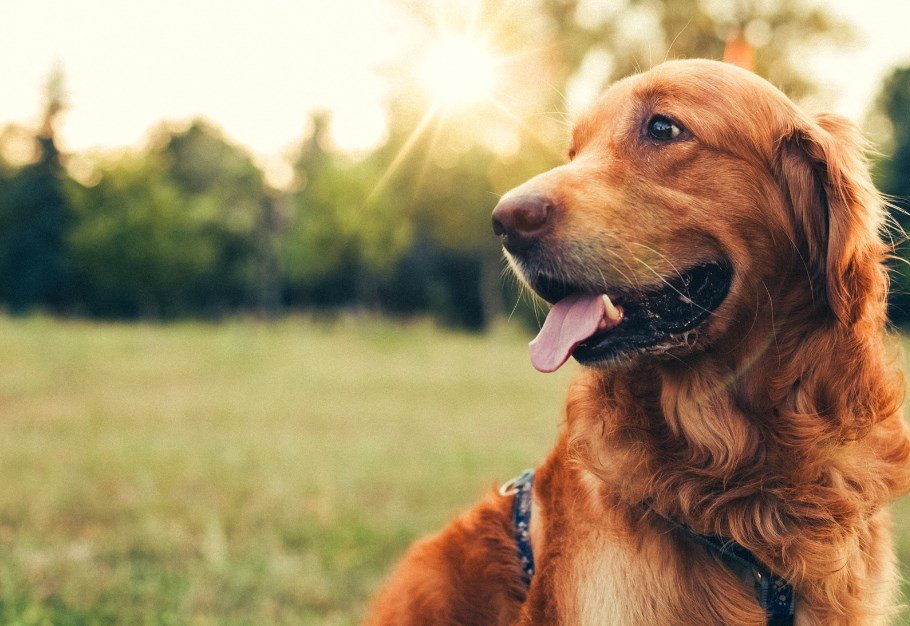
(459,71)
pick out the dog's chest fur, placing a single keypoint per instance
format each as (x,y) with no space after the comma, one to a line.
(605,578)
(605,572)
(606,583)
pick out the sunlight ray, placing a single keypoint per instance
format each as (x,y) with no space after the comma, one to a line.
(433,139)
(525,128)
(403,152)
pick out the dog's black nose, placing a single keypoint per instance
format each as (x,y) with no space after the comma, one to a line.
(518,220)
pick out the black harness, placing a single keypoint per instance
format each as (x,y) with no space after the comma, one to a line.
(773,592)
(521,519)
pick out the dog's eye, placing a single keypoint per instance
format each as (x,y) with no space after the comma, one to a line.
(663,128)
(571,153)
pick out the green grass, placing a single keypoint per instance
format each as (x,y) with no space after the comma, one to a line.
(243,472)
(247,472)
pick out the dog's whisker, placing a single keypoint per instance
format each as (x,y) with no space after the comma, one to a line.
(521,291)
(660,254)
(773,322)
(678,35)
(634,282)
(630,280)
(805,265)
(673,287)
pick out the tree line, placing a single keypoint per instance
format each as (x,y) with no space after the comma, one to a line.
(189,226)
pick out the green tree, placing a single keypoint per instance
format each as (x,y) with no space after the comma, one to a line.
(184,227)
(35,217)
(140,246)
(213,173)
(625,37)
(344,233)
(892,173)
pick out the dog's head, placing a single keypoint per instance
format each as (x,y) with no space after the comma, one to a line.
(696,196)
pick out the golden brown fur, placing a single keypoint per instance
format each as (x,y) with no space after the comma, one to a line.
(780,428)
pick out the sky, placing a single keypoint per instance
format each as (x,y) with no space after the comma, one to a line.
(257,68)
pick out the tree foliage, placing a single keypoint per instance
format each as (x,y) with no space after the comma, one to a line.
(631,36)
(35,217)
(171,231)
(893,179)
(189,225)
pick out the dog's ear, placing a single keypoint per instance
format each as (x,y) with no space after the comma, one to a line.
(836,210)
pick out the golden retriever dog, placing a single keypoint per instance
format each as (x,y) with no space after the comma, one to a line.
(713,259)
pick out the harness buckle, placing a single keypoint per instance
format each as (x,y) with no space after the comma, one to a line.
(513,486)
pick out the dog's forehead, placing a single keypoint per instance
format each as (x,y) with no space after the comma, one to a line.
(604,113)
(705,85)
(709,97)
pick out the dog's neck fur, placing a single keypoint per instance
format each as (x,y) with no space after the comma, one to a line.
(722,451)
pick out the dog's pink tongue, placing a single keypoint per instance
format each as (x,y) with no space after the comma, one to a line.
(571,320)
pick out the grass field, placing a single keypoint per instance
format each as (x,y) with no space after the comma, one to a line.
(245,472)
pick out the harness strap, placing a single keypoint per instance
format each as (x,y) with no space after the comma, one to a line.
(521,488)
(773,592)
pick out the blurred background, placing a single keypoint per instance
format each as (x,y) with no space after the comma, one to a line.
(257,333)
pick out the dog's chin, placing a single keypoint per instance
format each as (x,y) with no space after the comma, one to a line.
(665,319)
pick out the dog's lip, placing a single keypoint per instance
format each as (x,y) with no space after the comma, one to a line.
(656,324)
(554,289)
(654,319)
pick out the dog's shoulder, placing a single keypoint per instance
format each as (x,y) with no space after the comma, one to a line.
(468,573)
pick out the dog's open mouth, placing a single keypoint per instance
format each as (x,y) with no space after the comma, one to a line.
(598,327)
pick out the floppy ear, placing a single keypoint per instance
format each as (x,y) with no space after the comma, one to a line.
(836,210)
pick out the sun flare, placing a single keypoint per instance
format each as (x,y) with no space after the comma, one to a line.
(459,71)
